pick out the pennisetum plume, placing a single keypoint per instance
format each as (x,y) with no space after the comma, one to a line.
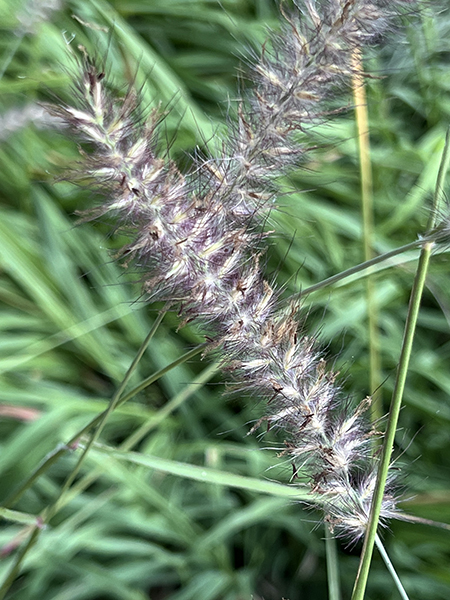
(195,236)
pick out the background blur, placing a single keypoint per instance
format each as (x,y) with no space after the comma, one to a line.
(71,320)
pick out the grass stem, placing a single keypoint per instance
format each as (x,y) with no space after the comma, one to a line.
(365,167)
(365,265)
(112,405)
(49,512)
(15,568)
(53,456)
(390,567)
(143,430)
(399,386)
(334,584)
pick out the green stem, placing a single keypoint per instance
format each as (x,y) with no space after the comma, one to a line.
(112,405)
(140,433)
(375,378)
(149,380)
(52,510)
(365,167)
(48,461)
(168,408)
(14,571)
(62,449)
(365,265)
(390,567)
(334,587)
(399,386)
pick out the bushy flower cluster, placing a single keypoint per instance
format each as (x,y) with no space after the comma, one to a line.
(196,237)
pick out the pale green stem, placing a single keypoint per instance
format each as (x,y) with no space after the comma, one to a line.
(17,516)
(14,570)
(62,449)
(140,433)
(390,567)
(334,584)
(399,386)
(117,399)
(383,469)
(362,123)
(112,405)
(365,265)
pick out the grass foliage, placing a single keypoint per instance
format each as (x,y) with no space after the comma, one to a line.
(189,507)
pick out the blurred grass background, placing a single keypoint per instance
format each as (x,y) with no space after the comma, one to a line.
(71,321)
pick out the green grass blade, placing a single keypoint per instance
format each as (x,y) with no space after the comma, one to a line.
(208,475)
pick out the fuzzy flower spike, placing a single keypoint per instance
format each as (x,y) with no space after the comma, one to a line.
(195,238)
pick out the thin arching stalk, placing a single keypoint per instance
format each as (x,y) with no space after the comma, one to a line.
(51,511)
(134,438)
(399,386)
(390,567)
(112,406)
(118,399)
(365,266)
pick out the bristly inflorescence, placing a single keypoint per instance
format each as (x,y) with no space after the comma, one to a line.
(196,237)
